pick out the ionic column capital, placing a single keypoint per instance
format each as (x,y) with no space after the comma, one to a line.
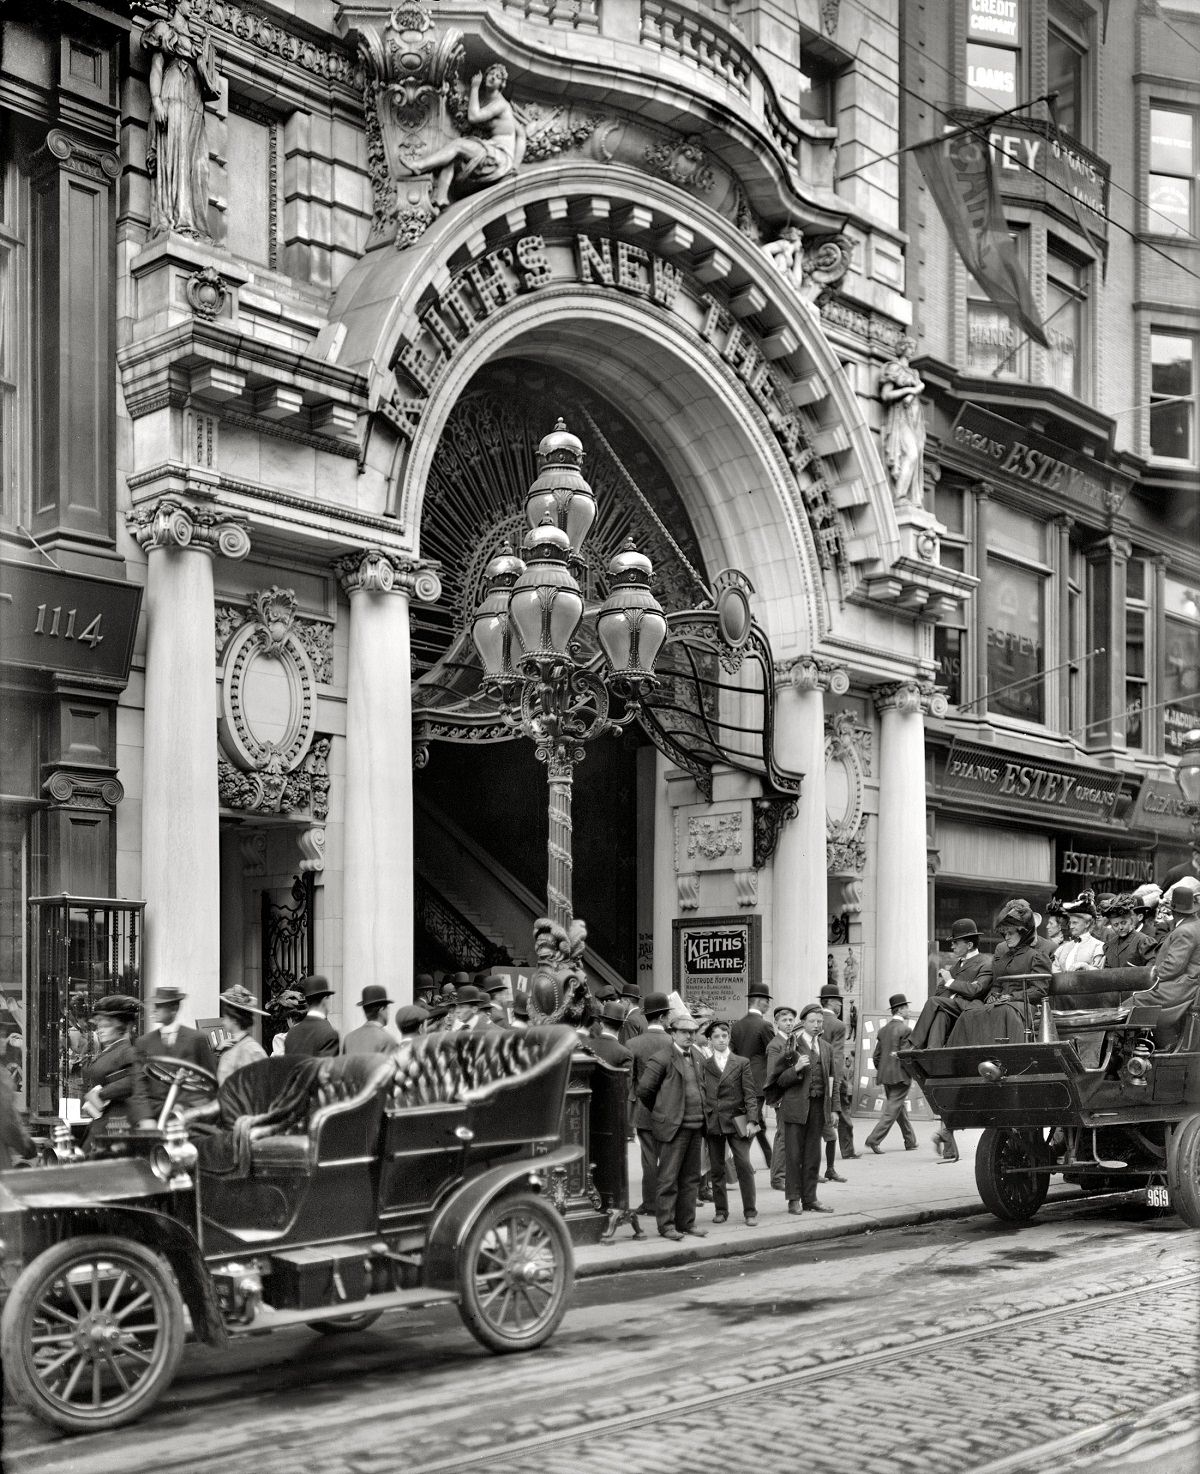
(373,571)
(812,673)
(173,523)
(910,698)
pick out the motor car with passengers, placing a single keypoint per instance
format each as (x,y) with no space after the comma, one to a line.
(1101,1096)
(316,1192)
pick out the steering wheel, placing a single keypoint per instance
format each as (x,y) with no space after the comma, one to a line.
(165,1067)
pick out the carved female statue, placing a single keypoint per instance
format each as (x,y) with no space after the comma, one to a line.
(476,161)
(900,388)
(183,74)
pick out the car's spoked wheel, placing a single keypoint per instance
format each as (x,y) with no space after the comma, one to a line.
(515,1274)
(92,1333)
(1007,1188)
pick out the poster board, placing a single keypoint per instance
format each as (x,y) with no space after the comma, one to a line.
(715,959)
(868,1092)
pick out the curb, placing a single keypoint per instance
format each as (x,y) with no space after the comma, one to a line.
(852,1226)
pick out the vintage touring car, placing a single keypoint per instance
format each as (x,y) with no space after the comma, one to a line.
(305,1192)
(1088,1096)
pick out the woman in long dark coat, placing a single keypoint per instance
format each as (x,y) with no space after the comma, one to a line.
(999,1017)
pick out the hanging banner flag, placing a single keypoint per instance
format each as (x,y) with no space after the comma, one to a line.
(958,171)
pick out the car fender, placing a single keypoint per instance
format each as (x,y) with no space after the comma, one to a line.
(456,1217)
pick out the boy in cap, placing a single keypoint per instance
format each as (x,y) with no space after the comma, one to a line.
(371,1037)
(891,1074)
(314,1035)
(800,1073)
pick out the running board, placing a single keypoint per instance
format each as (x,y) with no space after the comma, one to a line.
(270,1319)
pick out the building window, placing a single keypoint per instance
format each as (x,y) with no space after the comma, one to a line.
(1181,664)
(1172,182)
(950,639)
(1066,322)
(252,160)
(14,345)
(1076,632)
(994,73)
(997,347)
(1014,609)
(1066,74)
(1172,396)
(1137,663)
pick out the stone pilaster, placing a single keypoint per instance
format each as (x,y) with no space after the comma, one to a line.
(181,872)
(377,937)
(799,875)
(901,863)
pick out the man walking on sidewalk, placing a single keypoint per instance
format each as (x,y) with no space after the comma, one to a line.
(892,1075)
(671,1090)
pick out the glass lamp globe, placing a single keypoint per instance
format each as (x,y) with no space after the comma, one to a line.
(560,493)
(631,626)
(545,607)
(1187,771)
(489,626)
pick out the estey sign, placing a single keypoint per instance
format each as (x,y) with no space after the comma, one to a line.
(993,777)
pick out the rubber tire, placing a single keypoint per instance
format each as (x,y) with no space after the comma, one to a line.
(346,1325)
(16,1331)
(1015,1200)
(475,1315)
(1184,1181)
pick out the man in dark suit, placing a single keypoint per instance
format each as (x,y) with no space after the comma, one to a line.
(314,1034)
(176,1041)
(644,1048)
(634,1022)
(835,1036)
(371,1037)
(749,1038)
(800,1074)
(672,1092)
(891,1074)
(605,1044)
(730,1099)
(968,976)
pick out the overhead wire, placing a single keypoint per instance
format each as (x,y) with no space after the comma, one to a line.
(1020,163)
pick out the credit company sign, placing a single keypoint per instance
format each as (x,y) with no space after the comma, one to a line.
(1050,791)
(716,960)
(997,21)
(1001,448)
(56,621)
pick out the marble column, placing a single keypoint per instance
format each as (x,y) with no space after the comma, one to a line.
(901,862)
(799,872)
(377,876)
(181,871)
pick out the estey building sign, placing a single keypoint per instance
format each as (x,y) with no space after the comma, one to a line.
(1048,790)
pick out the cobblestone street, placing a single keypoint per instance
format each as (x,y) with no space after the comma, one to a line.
(956,1346)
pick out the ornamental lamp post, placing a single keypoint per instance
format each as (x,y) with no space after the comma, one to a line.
(525,631)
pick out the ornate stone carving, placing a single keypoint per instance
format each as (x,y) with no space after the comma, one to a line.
(312,847)
(683,162)
(183,77)
(839,929)
(846,738)
(172,523)
(848,856)
(253,845)
(268,637)
(687,891)
(813,673)
(250,26)
(714,837)
(851,886)
(551,130)
(745,884)
(315,635)
(829,16)
(911,697)
(271,790)
(206,292)
(900,388)
(60,150)
(814,268)
(770,815)
(69,790)
(376,572)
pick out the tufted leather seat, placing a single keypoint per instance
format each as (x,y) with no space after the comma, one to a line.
(344,1113)
(460,1066)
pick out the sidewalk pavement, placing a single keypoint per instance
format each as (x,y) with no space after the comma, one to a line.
(899,1187)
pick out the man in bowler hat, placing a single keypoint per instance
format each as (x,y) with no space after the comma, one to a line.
(800,1073)
(371,1037)
(967,976)
(314,1034)
(176,1041)
(645,1047)
(891,1074)
(749,1037)
(605,1045)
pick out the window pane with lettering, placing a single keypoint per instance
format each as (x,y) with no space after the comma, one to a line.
(1066,296)
(994,74)
(1172,396)
(996,346)
(1181,663)
(1172,182)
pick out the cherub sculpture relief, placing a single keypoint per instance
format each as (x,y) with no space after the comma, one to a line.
(490,154)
